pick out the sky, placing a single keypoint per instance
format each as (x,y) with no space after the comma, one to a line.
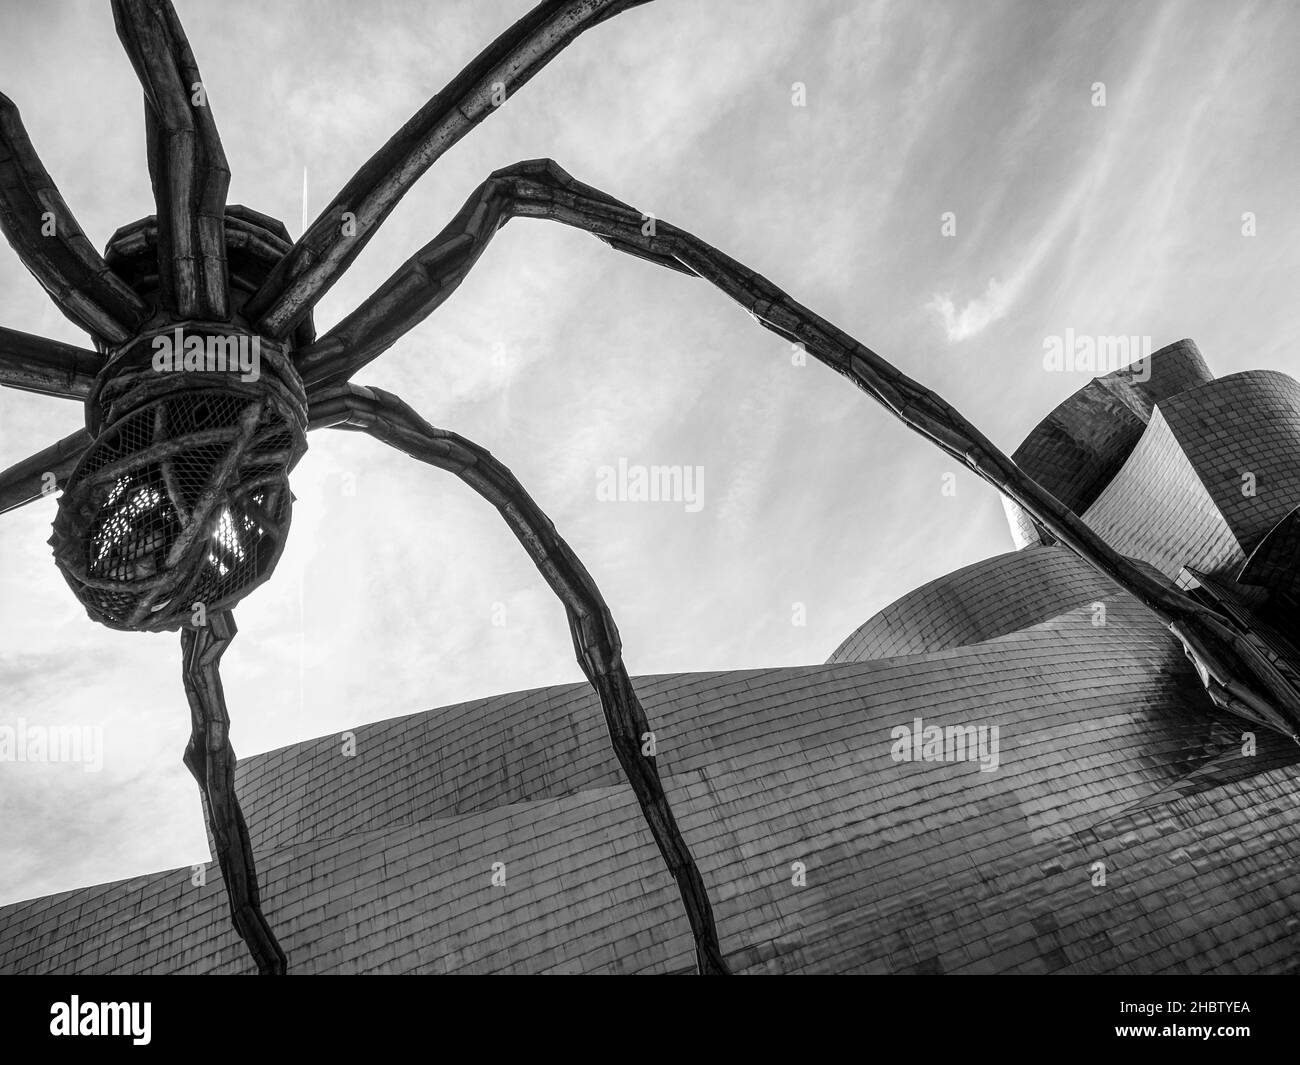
(936,177)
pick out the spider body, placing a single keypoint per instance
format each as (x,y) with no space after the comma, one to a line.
(176,499)
(181,504)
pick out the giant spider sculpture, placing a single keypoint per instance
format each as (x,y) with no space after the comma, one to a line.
(175,498)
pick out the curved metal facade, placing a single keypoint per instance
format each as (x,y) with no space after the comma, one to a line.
(1157,508)
(1107,753)
(1080,808)
(1076,450)
(1242,434)
(978,602)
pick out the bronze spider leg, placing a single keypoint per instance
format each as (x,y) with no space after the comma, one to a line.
(186,162)
(351,219)
(211,760)
(35,364)
(30,479)
(43,231)
(50,368)
(595,636)
(1238,673)
(52,246)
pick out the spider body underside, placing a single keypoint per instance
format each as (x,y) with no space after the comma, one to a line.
(175,498)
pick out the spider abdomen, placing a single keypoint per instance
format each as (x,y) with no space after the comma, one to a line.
(182,501)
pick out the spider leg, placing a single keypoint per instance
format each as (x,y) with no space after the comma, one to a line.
(35,364)
(333,241)
(28,480)
(186,162)
(1238,671)
(51,244)
(595,637)
(211,760)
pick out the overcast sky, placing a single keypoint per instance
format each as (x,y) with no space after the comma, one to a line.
(562,356)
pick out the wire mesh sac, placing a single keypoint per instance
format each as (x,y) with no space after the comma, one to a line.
(183,500)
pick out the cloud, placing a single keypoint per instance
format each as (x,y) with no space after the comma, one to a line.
(977,315)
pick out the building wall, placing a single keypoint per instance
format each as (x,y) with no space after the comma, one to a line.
(978,602)
(1111,760)
(1077,449)
(382,862)
(1157,509)
(1246,423)
(1275,562)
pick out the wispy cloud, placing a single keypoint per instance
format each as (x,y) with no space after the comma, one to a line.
(1093,178)
(978,314)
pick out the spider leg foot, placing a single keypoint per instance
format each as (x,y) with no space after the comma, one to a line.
(211,760)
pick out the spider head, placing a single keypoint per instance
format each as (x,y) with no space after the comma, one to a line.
(181,503)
